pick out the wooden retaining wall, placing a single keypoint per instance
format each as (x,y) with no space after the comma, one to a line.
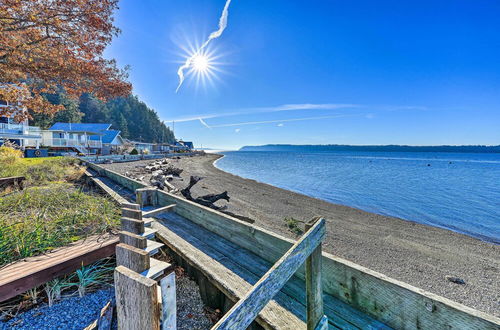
(390,301)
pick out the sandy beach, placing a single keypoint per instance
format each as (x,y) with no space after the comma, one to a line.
(420,255)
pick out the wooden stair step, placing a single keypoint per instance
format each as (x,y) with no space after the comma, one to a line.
(156,269)
(148,221)
(149,233)
(153,247)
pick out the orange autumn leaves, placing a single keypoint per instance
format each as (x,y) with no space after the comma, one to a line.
(51,44)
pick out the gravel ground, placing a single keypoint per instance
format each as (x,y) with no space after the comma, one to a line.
(417,254)
(70,313)
(190,308)
(77,313)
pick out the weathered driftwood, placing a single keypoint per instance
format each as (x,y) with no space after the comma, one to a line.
(246,310)
(206,200)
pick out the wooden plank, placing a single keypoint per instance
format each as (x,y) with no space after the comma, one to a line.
(168,208)
(146,196)
(132,206)
(113,194)
(132,214)
(233,280)
(342,316)
(134,240)
(370,292)
(157,268)
(136,301)
(153,247)
(31,272)
(133,258)
(314,288)
(169,302)
(133,226)
(246,310)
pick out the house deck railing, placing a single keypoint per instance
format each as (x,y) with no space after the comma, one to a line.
(18,128)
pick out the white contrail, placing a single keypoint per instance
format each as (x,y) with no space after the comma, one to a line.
(282,120)
(204,123)
(213,35)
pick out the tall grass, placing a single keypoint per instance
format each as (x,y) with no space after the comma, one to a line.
(39,171)
(39,219)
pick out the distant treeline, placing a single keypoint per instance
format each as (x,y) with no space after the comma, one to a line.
(133,118)
(386,148)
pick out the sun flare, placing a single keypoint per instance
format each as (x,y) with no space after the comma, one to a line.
(201,63)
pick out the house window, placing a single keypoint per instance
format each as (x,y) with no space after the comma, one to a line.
(56,135)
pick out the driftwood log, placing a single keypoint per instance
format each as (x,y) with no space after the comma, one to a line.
(206,200)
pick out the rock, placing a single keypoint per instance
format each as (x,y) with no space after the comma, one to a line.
(455,280)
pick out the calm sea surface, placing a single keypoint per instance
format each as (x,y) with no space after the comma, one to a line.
(456,191)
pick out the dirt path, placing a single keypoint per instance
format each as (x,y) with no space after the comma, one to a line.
(417,254)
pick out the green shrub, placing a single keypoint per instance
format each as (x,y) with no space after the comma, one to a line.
(293,225)
(134,152)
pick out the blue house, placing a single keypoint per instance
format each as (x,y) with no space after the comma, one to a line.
(96,138)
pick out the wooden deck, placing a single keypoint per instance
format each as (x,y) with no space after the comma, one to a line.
(235,270)
(26,274)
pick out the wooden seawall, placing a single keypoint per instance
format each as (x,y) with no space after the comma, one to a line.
(394,303)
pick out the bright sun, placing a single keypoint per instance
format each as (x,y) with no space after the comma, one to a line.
(201,63)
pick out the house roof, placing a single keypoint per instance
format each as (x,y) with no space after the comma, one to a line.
(109,135)
(80,127)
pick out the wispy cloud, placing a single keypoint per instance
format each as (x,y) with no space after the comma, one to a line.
(282,120)
(279,108)
(237,130)
(280,125)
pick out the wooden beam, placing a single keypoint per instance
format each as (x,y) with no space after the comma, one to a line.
(136,301)
(138,241)
(246,310)
(132,206)
(314,288)
(131,213)
(168,208)
(133,258)
(132,225)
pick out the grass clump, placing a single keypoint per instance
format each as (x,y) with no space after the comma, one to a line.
(39,171)
(39,219)
(293,225)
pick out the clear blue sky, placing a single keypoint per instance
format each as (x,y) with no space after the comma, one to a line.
(347,72)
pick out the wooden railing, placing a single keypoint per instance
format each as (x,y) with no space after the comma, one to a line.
(307,249)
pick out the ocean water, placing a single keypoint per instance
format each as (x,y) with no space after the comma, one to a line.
(455,191)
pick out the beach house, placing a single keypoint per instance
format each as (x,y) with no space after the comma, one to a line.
(87,138)
(18,132)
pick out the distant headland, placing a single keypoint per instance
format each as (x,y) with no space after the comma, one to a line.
(381,148)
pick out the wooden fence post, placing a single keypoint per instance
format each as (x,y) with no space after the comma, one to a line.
(136,301)
(146,196)
(314,288)
(169,303)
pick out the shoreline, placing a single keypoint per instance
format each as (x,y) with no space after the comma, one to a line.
(457,231)
(418,254)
